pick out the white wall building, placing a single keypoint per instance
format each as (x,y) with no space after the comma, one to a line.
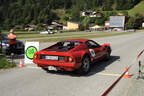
(142,24)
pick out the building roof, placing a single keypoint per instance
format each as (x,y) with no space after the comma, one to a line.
(117,21)
(95,27)
(75,22)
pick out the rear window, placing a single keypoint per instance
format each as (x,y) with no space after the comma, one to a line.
(69,43)
(64,46)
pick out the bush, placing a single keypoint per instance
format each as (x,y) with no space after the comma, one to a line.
(142,28)
(82,28)
(4,64)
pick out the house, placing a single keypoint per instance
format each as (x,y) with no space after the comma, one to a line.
(65,27)
(117,22)
(72,26)
(91,14)
(86,13)
(107,25)
(55,25)
(95,27)
(31,27)
(95,14)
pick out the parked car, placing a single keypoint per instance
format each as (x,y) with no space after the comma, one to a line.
(47,32)
(117,29)
(130,30)
(72,55)
(19,48)
(88,30)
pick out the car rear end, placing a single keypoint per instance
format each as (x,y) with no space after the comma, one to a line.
(55,60)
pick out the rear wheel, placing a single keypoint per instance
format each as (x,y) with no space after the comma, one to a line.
(45,69)
(85,67)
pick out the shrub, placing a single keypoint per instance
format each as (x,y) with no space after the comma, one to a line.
(5,64)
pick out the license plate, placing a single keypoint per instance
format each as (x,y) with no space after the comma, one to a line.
(51,57)
(52,68)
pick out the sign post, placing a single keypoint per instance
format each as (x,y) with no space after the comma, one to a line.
(30,49)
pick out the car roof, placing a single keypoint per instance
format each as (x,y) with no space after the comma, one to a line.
(81,40)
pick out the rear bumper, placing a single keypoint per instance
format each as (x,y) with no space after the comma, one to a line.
(58,65)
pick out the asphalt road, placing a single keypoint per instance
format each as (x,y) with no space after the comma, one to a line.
(32,81)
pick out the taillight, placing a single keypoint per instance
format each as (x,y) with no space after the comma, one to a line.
(36,56)
(68,59)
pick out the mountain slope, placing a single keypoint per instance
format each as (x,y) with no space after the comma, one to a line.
(139,8)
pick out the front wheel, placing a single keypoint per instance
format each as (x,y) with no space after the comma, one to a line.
(107,56)
(85,67)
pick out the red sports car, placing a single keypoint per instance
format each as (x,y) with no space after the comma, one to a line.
(72,55)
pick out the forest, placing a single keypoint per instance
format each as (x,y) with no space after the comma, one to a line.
(25,12)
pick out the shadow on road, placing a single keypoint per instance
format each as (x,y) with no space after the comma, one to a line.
(100,66)
(95,68)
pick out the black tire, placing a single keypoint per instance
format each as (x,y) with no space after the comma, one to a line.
(45,69)
(107,56)
(48,71)
(85,67)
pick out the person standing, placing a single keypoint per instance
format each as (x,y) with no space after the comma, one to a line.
(12,41)
(0,41)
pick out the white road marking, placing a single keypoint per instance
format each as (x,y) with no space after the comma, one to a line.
(109,74)
(34,67)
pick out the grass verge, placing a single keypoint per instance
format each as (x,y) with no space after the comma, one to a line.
(84,36)
(5,64)
(35,36)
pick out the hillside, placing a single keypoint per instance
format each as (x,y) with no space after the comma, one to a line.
(38,12)
(139,8)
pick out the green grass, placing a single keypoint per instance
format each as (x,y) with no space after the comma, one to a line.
(139,8)
(4,64)
(36,34)
(22,36)
(62,36)
(21,32)
(84,36)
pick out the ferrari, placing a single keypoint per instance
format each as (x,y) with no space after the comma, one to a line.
(72,55)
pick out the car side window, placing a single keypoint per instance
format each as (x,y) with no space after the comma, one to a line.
(92,44)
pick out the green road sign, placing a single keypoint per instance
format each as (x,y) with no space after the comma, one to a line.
(30,52)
